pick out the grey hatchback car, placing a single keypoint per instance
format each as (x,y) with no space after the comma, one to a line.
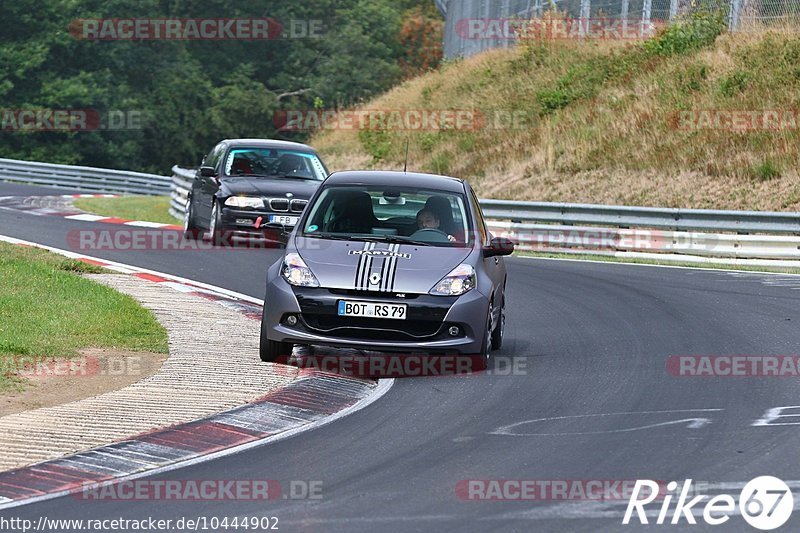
(389,261)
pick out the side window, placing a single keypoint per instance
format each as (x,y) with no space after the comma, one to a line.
(482,232)
(212,160)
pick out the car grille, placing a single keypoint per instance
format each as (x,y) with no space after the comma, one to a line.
(372,328)
(368,294)
(285,205)
(297,206)
(278,204)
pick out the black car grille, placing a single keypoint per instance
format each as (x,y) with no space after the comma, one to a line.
(279,204)
(297,206)
(372,328)
(367,294)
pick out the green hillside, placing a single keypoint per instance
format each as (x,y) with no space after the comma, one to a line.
(663,122)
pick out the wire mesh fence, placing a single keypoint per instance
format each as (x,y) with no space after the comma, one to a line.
(475,25)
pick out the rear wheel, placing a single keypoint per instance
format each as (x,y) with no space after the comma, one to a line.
(270,351)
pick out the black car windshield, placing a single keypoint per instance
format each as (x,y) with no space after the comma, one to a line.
(395,214)
(274,163)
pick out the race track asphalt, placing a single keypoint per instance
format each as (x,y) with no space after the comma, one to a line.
(582,378)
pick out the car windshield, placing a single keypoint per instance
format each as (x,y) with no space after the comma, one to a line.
(396,214)
(273,163)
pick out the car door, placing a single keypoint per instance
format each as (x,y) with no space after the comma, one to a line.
(205,187)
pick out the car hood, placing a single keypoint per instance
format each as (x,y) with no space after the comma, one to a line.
(270,187)
(378,266)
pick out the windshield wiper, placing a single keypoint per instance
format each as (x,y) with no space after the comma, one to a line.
(366,238)
(291,176)
(329,236)
(393,239)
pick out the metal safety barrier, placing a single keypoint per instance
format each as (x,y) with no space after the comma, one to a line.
(534,226)
(553,238)
(610,230)
(181,183)
(644,217)
(88,179)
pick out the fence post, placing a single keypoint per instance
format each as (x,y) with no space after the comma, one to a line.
(733,16)
(673,9)
(647,8)
(586,10)
(624,16)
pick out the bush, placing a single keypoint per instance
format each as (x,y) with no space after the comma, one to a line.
(696,31)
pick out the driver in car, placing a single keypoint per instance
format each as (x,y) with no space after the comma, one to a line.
(427,219)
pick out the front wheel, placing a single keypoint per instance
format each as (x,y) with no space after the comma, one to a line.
(269,350)
(190,231)
(499,329)
(482,361)
(216,229)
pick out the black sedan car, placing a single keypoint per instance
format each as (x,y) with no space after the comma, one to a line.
(252,188)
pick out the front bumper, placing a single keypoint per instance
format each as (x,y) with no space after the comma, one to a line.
(425,330)
(242,223)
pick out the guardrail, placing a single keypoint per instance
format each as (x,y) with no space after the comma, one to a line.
(181,183)
(535,226)
(554,238)
(612,230)
(87,179)
(645,217)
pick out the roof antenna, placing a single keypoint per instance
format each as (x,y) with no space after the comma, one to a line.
(405,164)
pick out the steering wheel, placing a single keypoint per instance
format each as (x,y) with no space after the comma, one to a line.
(430,234)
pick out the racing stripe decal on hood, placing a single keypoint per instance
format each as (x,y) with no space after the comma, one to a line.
(364,265)
(389,269)
(391,272)
(385,270)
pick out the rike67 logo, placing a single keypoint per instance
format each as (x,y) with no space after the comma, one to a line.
(765,503)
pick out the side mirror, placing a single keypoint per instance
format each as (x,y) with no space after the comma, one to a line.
(207,172)
(499,246)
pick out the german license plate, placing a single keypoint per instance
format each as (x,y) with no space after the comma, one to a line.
(372,309)
(283,219)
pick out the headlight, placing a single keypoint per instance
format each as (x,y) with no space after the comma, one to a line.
(460,280)
(297,273)
(245,201)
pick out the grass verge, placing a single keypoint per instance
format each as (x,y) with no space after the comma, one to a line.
(145,208)
(645,261)
(48,310)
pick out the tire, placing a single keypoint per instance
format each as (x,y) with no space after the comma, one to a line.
(190,231)
(215,231)
(499,329)
(270,351)
(483,359)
